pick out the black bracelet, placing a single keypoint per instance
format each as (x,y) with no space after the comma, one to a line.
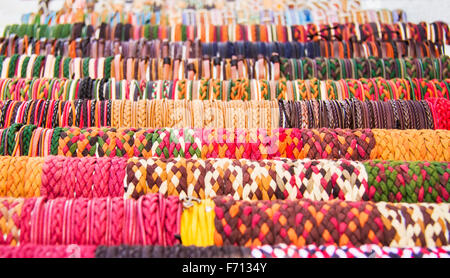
(55,118)
(108,111)
(4,109)
(77,112)
(166,61)
(93,105)
(45,113)
(84,110)
(26,111)
(91,88)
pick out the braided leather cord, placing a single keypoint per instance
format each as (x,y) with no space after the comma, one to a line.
(10,216)
(79,177)
(423,225)
(440,107)
(14,181)
(26,138)
(255,144)
(338,223)
(247,180)
(55,141)
(33,177)
(293,222)
(325,144)
(331,251)
(411,145)
(150,220)
(11,138)
(47,251)
(282,179)
(410,182)
(68,139)
(21,177)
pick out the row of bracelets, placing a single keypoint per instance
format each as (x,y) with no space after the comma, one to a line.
(166,15)
(225,90)
(181,251)
(255,144)
(437,32)
(348,114)
(160,49)
(223,69)
(221,221)
(249,180)
(215,14)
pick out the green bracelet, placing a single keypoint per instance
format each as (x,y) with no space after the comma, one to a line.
(23,70)
(37,65)
(26,139)
(12,65)
(86,67)
(108,62)
(66,64)
(57,65)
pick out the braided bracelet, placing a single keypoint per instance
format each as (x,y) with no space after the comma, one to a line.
(249,144)
(331,251)
(392,181)
(48,251)
(305,222)
(179,251)
(151,220)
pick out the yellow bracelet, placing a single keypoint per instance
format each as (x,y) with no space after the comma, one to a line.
(197,224)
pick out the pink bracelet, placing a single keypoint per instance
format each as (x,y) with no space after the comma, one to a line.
(85,176)
(100,214)
(101,182)
(36,220)
(80,220)
(148,205)
(57,221)
(25,221)
(47,251)
(117,176)
(117,215)
(172,220)
(150,220)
